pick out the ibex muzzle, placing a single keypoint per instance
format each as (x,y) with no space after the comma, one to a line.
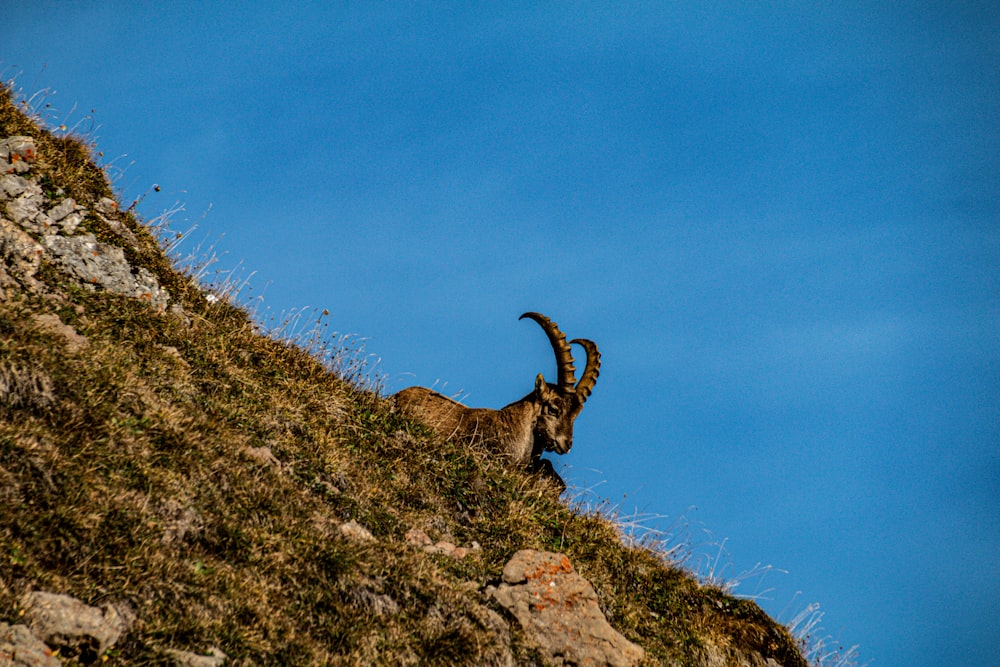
(541,421)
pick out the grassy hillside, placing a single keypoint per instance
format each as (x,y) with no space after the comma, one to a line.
(188,469)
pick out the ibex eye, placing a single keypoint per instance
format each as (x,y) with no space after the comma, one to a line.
(551,410)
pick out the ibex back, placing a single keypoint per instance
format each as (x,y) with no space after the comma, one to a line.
(540,422)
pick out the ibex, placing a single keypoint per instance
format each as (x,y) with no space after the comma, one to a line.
(540,422)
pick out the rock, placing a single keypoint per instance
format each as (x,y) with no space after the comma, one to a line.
(108,212)
(82,256)
(25,200)
(355,531)
(20,648)
(372,601)
(499,655)
(68,215)
(106,206)
(215,658)
(61,210)
(25,211)
(418,538)
(558,610)
(17,154)
(66,623)
(12,185)
(20,256)
(101,264)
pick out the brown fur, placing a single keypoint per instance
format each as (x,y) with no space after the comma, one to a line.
(541,421)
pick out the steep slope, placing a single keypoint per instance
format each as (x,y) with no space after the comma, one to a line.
(221,490)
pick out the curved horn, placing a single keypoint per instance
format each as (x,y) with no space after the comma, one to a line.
(564,355)
(593,369)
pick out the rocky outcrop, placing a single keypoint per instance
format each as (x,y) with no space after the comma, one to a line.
(104,265)
(71,626)
(558,610)
(35,223)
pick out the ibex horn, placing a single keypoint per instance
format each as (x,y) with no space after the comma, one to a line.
(593,369)
(564,355)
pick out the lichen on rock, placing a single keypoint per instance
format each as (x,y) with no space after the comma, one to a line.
(17,154)
(558,609)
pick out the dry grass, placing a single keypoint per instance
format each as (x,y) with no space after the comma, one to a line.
(196,471)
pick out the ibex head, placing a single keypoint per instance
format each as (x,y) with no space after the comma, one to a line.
(560,403)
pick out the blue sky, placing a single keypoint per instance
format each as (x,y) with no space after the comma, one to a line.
(780,223)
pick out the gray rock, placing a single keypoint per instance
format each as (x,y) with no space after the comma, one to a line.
(106,206)
(66,623)
(62,209)
(26,211)
(20,648)
(108,212)
(215,658)
(12,185)
(105,265)
(558,610)
(25,201)
(365,596)
(95,263)
(68,215)
(20,255)
(17,154)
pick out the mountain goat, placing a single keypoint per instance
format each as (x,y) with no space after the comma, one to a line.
(540,422)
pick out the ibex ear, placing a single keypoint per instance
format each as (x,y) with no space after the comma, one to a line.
(541,386)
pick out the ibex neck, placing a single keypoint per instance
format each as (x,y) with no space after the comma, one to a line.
(518,420)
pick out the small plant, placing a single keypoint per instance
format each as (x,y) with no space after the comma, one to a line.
(343,354)
(816,648)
